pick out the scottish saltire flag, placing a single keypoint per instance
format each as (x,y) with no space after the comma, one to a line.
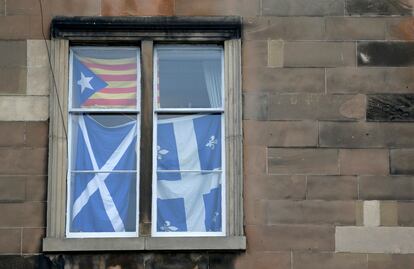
(189,201)
(100,81)
(104,201)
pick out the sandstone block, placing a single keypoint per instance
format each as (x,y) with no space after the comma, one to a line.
(319,54)
(364,162)
(332,187)
(303,161)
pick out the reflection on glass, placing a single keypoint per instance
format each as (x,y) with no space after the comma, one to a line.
(103,202)
(104,77)
(189,202)
(189,76)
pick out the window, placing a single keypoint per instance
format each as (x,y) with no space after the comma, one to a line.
(188,182)
(104,90)
(145,149)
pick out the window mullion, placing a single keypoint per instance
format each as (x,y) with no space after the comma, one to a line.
(146,138)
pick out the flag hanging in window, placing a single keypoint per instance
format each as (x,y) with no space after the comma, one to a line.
(103,185)
(105,78)
(189,176)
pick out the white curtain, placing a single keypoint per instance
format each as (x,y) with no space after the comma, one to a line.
(212,76)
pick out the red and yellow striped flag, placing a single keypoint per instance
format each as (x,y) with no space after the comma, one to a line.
(121,77)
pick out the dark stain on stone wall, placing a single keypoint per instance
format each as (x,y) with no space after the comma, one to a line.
(396,54)
(379,7)
(390,107)
(159,260)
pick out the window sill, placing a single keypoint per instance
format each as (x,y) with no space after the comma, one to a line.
(144,243)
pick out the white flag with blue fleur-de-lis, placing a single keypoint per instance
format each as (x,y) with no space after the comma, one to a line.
(189,187)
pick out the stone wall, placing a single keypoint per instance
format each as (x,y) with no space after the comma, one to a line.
(328,133)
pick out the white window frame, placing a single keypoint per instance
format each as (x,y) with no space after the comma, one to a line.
(164,111)
(73,112)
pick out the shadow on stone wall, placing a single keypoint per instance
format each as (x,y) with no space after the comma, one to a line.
(162,260)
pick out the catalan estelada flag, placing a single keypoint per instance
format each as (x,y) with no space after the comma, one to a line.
(101,82)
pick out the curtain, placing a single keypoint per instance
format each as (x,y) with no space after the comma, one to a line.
(212,76)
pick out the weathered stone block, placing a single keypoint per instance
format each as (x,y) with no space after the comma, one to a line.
(364,162)
(254,54)
(406,214)
(13,54)
(75,7)
(15,128)
(216,8)
(386,188)
(2,7)
(263,79)
(13,80)
(386,261)
(311,212)
(255,106)
(36,24)
(23,161)
(389,213)
(285,28)
(401,161)
(264,260)
(37,134)
(346,28)
(303,161)
(37,81)
(10,241)
(12,189)
(379,7)
(36,187)
(26,7)
(316,107)
(15,27)
(137,8)
(390,107)
(372,213)
(275,55)
(374,239)
(37,53)
(281,133)
(319,54)
(400,28)
(255,212)
(254,160)
(312,237)
(370,80)
(385,53)
(24,108)
(29,214)
(32,240)
(269,187)
(307,260)
(365,135)
(332,187)
(302,7)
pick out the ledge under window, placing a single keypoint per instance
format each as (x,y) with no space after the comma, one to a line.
(144,243)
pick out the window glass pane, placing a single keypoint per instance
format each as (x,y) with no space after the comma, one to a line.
(104,77)
(192,203)
(189,142)
(189,76)
(103,142)
(103,202)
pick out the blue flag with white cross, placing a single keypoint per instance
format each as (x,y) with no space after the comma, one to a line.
(189,187)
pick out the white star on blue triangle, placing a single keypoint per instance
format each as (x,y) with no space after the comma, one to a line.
(87,82)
